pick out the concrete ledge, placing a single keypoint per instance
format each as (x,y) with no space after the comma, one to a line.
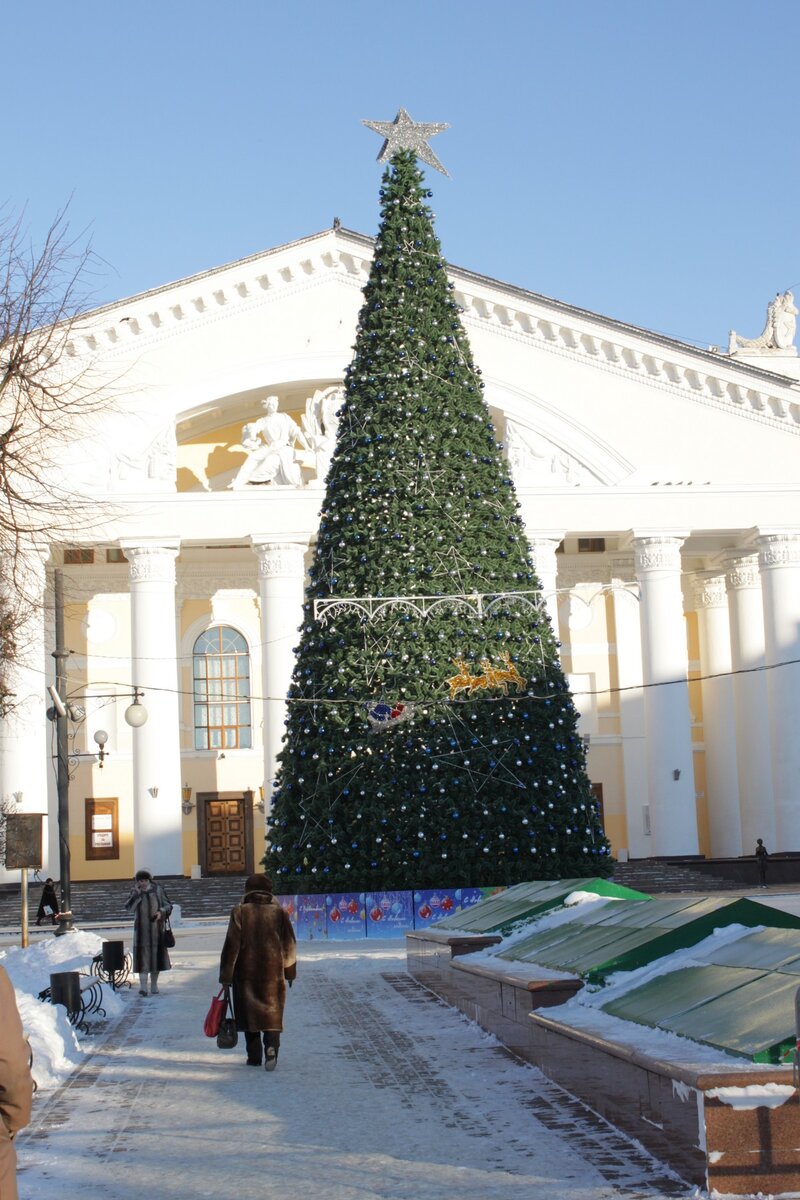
(429,954)
(687,1117)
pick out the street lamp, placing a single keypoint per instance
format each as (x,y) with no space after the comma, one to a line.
(62,711)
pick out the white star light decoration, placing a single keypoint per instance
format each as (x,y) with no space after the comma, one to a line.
(404,134)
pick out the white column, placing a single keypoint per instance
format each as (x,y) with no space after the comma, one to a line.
(25,732)
(156,745)
(753,753)
(719,721)
(543,550)
(779,562)
(670,767)
(628,639)
(281,573)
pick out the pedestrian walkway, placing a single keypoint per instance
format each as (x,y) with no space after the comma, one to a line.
(381,1093)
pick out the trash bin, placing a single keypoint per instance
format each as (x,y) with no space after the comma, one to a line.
(113,957)
(65,988)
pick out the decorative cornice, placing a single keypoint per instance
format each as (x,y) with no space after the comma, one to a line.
(778,550)
(561,329)
(582,574)
(622,568)
(205,587)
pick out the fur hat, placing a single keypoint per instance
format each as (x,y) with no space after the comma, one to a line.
(258,883)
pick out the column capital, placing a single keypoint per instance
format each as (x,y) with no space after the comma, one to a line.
(280,559)
(656,551)
(152,561)
(709,591)
(741,571)
(778,550)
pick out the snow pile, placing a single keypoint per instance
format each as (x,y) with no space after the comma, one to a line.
(56,1046)
(764,1095)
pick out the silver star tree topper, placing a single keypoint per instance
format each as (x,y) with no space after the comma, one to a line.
(404,134)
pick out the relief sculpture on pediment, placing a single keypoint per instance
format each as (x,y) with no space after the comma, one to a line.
(321,425)
(281,453)
(535,460)
(272,456)
(154,466)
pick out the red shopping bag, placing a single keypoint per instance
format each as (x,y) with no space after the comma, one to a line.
(219,1006)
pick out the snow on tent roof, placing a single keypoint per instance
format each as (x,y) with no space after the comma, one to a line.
(632,935)
(526,901)
(742,1001)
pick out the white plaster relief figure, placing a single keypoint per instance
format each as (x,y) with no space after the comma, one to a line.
(272,457)
(321,426)
(157,463)
(534,460)
(779,329)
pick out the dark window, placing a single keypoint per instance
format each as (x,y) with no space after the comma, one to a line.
(591,545)
(114,554)
(221,669)
(78,555)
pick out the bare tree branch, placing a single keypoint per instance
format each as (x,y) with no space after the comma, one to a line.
(46,400)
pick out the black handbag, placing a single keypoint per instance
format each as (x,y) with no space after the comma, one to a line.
(228,1035)
(168,935)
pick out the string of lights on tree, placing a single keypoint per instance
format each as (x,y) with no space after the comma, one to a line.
(392,773)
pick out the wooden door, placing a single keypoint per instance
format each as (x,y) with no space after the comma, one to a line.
(226,835)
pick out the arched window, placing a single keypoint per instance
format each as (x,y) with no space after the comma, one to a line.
(221,690)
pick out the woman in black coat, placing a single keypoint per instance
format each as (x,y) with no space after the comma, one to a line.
(49,901)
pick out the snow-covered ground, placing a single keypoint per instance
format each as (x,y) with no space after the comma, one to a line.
(381,1093)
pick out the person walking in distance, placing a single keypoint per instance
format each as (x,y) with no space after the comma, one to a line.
(16,1085)
(258,958)
(48,905)
(151,907)
(762,855)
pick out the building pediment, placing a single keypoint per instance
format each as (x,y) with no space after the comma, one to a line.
(579,399)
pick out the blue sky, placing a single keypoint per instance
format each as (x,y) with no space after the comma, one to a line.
(635,157)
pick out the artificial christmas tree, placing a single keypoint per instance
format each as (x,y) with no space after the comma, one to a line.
(431,738)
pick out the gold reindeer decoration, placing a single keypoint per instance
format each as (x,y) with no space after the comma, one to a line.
(491,677)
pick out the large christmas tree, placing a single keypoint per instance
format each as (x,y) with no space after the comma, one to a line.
(431,739)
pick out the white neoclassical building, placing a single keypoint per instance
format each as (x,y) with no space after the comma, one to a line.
(660,487)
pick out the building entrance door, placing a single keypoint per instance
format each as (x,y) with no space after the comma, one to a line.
(225,833)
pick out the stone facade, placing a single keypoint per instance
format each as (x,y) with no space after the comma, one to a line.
(658,484)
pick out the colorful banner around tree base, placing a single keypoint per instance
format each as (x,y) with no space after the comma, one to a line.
(343,915)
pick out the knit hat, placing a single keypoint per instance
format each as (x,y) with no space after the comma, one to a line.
(258,883)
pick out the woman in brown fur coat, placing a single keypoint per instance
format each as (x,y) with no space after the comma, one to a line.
(258,958)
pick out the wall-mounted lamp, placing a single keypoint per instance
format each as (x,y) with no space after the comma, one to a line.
(259,804)
(17,798)
(186,799)
(676,774)
(153,792)
(101,737)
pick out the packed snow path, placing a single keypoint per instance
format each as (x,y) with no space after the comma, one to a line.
(381,1093)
